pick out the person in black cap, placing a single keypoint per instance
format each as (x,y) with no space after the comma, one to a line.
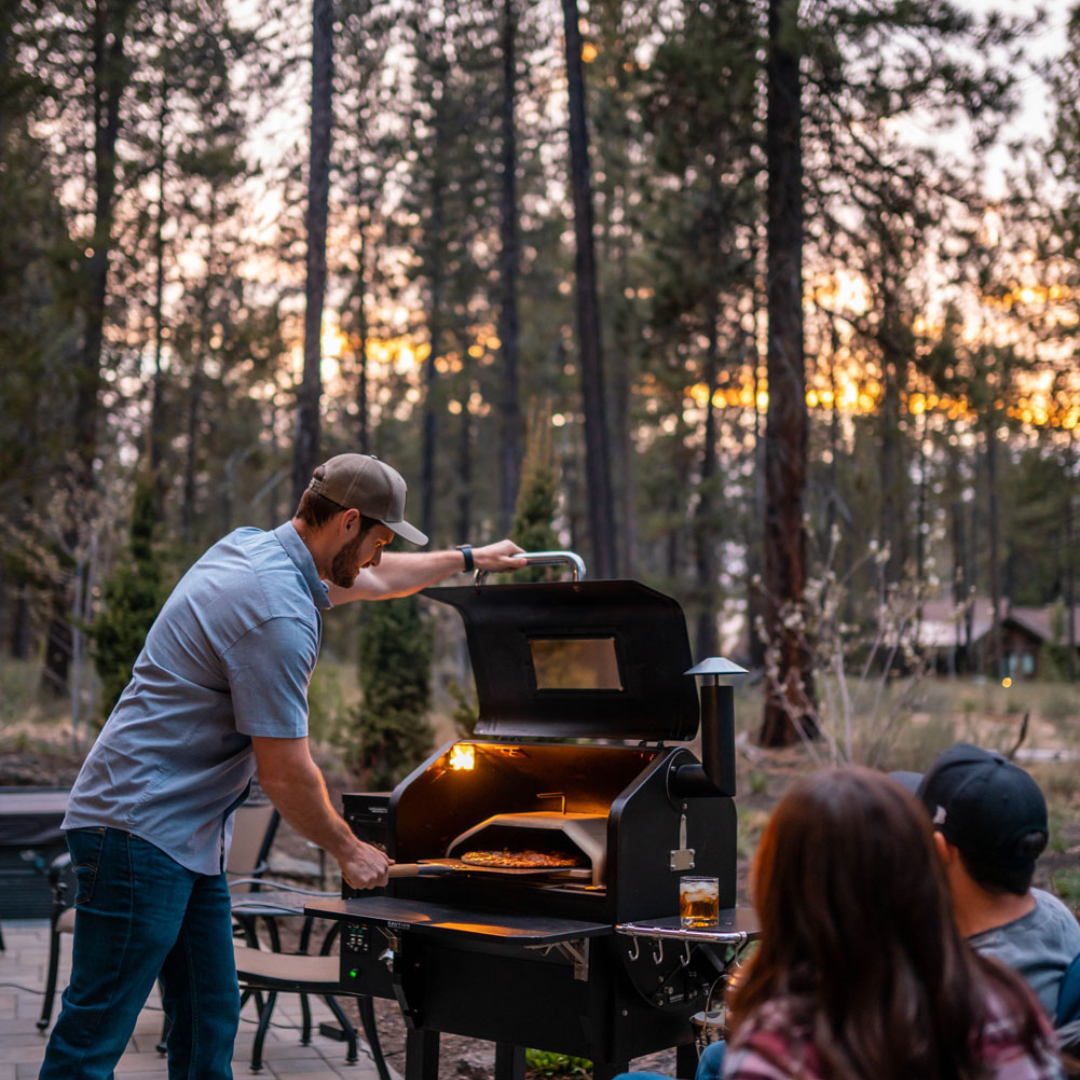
(219,691)
(991,826)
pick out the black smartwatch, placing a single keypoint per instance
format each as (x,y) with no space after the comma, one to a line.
(466,550)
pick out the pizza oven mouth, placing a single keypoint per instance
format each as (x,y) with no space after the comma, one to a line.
(581,836)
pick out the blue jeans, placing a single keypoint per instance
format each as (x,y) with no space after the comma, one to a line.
(140,914)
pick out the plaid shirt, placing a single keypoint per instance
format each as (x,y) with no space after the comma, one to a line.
(773,1045)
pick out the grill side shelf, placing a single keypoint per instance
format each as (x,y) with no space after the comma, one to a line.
(733,927)
(444,921)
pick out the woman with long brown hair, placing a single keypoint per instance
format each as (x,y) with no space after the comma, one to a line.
(860,972)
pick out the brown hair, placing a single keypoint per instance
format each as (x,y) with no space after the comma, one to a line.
(316,510)
(857,931)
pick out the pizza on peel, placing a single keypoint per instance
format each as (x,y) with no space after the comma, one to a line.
(520,860)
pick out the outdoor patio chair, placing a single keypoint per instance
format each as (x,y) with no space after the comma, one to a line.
(254,826)
(271,971)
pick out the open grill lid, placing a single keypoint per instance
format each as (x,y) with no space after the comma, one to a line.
(596,659)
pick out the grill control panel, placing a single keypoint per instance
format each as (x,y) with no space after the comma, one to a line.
(356,938)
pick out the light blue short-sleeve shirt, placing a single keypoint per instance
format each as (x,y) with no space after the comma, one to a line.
(229,656)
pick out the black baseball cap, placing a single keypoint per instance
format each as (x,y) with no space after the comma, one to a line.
(984,805)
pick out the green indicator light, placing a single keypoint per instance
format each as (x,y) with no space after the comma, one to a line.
(353,973)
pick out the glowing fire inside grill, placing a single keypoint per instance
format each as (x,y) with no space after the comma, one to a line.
(462,756)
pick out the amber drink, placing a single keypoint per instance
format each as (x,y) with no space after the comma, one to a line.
(699,901)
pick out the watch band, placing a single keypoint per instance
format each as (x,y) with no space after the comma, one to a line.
(466,550)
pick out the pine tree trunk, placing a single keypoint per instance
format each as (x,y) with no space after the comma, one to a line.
(994,523)
(1070,561)
(597,443)
(789,700)
(961,577)
(705,517)
(109,78)
(362,409)
(508,314)
(891,524)
(157,404)
(308,435)
(435,320)
(464,463)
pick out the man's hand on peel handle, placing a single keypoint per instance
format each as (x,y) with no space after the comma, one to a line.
(365,867)
(498,557)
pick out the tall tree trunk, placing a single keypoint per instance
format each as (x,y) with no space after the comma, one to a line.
(788,702)
(508,265)
(997,613)
(922,523)
(1070,560)
(891,523)
(189,507)
(158,438)
(435,242)
(597,444)
(110,73)
(705,517)
(306,455)
(958,535)
(755,600)
(626,332)
(363,412)
(464,464)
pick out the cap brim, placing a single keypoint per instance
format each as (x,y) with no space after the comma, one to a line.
(909,780)
(407,532)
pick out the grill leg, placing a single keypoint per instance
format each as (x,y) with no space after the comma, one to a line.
(421,1055)
(608,1070)
(509,1062)
(371,1033)
(686,1059)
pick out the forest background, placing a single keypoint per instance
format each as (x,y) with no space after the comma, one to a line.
(772,306)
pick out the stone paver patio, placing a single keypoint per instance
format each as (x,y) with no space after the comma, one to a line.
(22,1046)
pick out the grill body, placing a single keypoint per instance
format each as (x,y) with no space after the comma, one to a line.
(540,961)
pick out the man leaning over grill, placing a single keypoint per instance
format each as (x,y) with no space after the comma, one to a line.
(218,692)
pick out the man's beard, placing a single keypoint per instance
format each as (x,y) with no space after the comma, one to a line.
(346,563)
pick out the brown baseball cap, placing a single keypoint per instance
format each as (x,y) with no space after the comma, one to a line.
(364,483)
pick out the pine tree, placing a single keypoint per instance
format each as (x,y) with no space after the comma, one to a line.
(537,500)
(395,680)
(133,596)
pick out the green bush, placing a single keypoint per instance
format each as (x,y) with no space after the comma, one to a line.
(328,712)
(395,683)
(133,596)
(547,1064)
(1067,886)
(537,497)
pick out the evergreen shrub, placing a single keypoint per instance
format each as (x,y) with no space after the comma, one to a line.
(395,682)
(133,596)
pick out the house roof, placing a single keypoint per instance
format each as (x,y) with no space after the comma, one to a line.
(1048,623)
(942,625)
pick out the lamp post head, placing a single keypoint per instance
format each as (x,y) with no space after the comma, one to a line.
(721,671)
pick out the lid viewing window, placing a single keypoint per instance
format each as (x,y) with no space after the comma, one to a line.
(575,663)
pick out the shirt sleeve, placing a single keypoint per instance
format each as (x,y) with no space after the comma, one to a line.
(269,669)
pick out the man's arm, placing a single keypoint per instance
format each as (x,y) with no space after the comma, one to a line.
(402,574)
(295,785)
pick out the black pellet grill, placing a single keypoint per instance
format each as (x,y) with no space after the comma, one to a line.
(581,688)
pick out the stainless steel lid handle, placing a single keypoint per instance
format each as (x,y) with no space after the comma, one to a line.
(547,558)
